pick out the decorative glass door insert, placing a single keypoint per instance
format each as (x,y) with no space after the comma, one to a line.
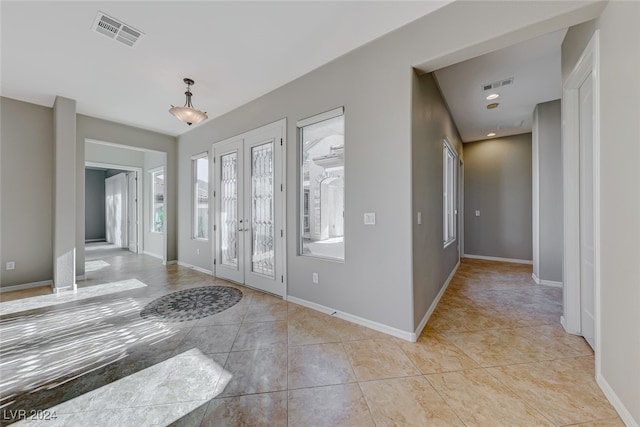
(229,209)
(262,218)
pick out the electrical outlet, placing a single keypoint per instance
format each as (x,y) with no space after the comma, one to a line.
(370,218)
(314,278)
(477,213)
(197,251)
(11,265)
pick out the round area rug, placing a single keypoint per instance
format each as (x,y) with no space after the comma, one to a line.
(192,304)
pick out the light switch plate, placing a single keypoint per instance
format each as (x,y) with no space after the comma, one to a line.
(370,218)
(419,218)
(477,213)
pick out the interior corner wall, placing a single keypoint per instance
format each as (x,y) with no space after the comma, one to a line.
(374,84)
(431,123)
(90,128)
(547,132)
(498,183)
(27,192)
(619,34)
(95,225)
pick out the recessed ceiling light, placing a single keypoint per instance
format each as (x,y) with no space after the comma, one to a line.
(493,96)
(492,106)
(491,134)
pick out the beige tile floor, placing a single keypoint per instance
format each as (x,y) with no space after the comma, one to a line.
(493,354)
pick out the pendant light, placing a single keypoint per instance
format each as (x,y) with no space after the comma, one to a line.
(188,114)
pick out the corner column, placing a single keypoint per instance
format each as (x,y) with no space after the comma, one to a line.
(64,195)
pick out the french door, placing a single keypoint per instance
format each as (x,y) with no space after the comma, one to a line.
(249,208)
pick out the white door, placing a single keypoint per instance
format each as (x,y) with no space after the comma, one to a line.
(229,217)
(132,210)
(587,252)
(249,214)
(116,210)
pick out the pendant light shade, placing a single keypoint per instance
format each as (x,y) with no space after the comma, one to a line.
(188,114)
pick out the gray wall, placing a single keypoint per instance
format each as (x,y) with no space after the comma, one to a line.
(27,157)
(619,195)
(548,135)
(94,227)
(432,264)
(112,155)
(90,128)
(26,192)
(497,182)
(374,84)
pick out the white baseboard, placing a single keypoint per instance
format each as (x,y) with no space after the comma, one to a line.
(407,336)
(151,254)
(64,290)
(173,261)
(545,282)
(26,286)
(493,258)
(81,277)
(434,304)
(615,401)
(195,267)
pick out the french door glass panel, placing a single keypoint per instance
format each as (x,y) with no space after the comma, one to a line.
(229,209)
(262,214)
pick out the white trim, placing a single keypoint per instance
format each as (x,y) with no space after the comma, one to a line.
(172,262)
(545,282)
(200,156)
(336,112)
(194,195)
(195,267)
(587,64)
(493,258)
(398,333)
(125,146)
(535,193)
(151,254)
(64,290)
(26,286)
(81,277)
(615,401)
(447,146)
(434,304)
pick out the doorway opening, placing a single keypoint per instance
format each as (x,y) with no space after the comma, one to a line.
(113,211)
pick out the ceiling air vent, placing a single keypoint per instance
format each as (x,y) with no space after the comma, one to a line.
(499,83)
(116,30)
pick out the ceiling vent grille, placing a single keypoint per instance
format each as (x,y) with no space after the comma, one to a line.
(511,126)
(499,83)
(116,30)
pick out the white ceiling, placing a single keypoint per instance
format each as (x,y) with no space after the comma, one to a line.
(535,67)
(235,51)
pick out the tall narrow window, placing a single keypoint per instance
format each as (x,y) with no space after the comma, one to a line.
(322,185)
(157,203)
(449,160)
(200,226)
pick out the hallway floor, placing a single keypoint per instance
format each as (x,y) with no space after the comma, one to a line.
(492,354)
